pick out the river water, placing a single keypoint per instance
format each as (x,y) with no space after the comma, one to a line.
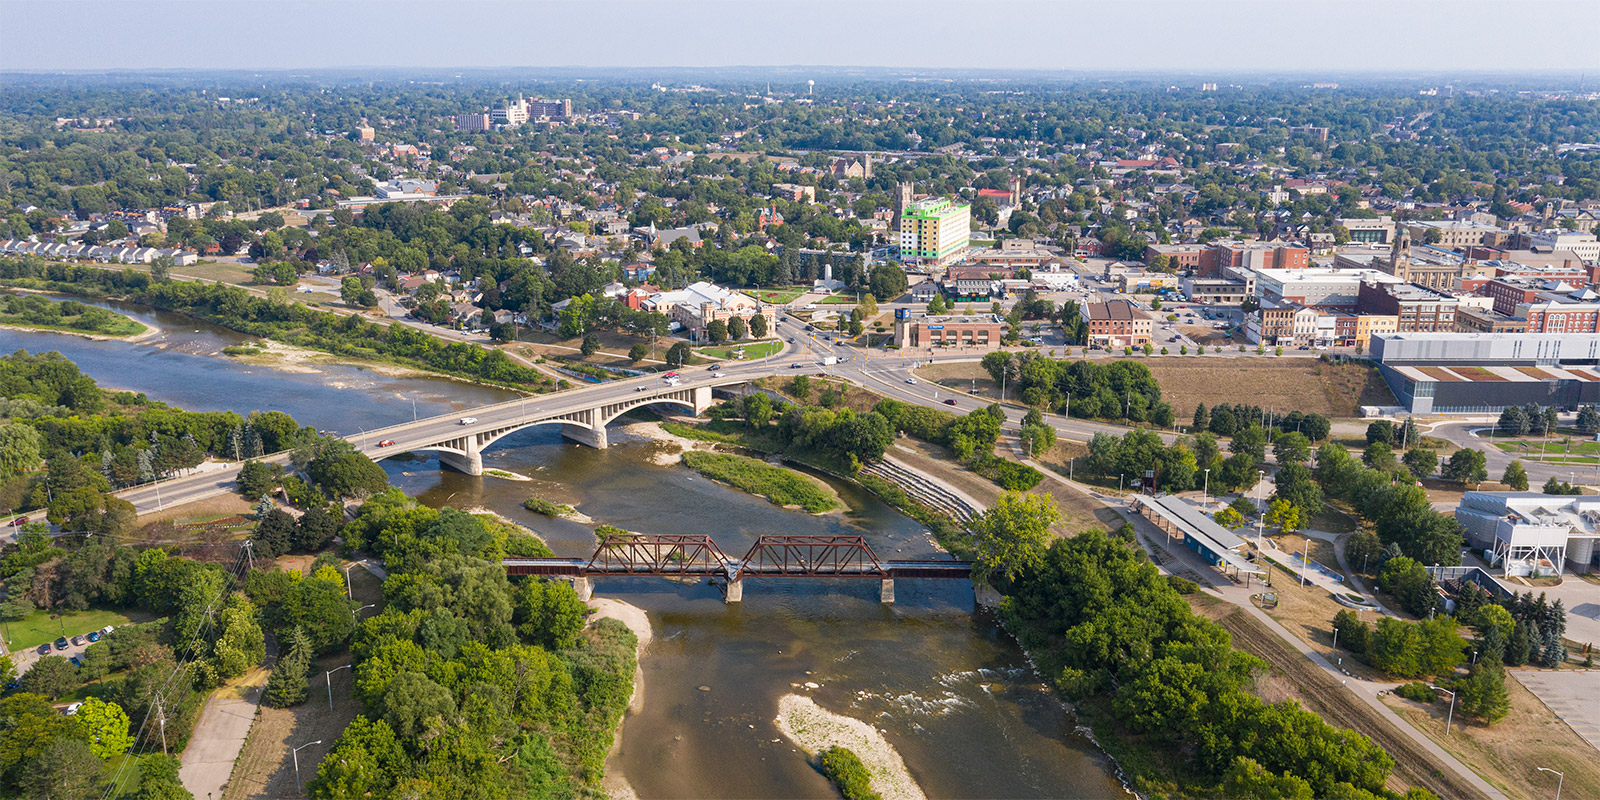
(947,686)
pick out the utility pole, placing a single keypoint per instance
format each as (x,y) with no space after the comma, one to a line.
(161,717)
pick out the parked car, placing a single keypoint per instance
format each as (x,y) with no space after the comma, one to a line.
(468,420)
(950,402)
(108,629)
(77,641)
(76,661)
(61,644)
(44,649)
(94,636)
(73,709)
(386,443)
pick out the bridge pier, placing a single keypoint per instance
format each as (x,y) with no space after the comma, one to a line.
(886,591)
(471,464)
(593,436)
(733,592)
(583,587)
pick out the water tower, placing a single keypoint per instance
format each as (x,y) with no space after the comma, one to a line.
(809,84)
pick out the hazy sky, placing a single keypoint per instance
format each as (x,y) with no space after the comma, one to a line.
(1160,35)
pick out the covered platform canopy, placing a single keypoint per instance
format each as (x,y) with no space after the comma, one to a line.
(1200,533)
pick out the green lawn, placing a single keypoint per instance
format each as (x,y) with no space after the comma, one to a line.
(38,627)
(839,299)
(751,350)
(778,296)
(1553,447)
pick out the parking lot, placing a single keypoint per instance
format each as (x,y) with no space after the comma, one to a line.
(1571,695)
(24,660)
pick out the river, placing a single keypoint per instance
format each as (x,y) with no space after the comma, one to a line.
(947,686)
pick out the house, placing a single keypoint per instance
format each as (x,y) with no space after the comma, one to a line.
(925,291)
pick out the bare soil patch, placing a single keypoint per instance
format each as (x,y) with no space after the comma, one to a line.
(1333,390)
(264,768)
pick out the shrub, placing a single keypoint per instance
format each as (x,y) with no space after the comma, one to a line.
(539,505)
(847,772)
(1417,691)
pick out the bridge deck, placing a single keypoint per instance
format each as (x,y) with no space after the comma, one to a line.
(891,569)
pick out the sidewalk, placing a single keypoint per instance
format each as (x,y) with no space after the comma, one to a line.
(219,735)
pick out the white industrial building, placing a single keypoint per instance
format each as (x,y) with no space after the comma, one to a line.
(1532,534)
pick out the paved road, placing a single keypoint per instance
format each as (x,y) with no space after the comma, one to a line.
(219,735)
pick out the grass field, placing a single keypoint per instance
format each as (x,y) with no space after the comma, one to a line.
(751,350)
(783,487)
(1509,752)
(1333,390)
(39,627)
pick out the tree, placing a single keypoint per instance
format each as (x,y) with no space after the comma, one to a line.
(1038,438)
(1381,431)
(343,472)
(757,409)
(1202,418)
(1421,461)
(1353,633)
(1466,466)
(1379,456)
(288,684)
(590,345)
(1515,477)
(353,291)
(67,768)
(1589,420)
(1513,422)
(1284,516)
(51,676)
(717,331)
(1316,427)
(1251,441)
(678,353)
(1396,648)
(1482,693)
(868,307)
(413,702)
(737,329)
(888,281)
(1292,448)
(107,727)
(316,528)
(1229,518)
(21,448)
(1012,535)
(241,644)
(637,352)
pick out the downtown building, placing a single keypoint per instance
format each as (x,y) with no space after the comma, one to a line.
(934,232)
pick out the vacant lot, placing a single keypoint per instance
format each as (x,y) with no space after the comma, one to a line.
(1509,753)
(1333,390)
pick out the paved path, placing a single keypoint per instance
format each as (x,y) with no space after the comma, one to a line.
(1571,695)
(219,735)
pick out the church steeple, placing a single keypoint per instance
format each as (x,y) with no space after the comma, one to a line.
(1400,254)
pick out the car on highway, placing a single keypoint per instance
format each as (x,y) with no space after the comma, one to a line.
(797,366)
(669,375)
(719,374)
(44,649)
(19,522)
(950,402)
(386,443)
(61,644)
(713,368)
(640,388)
(912,381)
(468,420)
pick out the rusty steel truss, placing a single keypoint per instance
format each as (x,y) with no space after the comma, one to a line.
(812,556)
(657,554)
(771,556)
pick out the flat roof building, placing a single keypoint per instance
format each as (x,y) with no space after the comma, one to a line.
(935,231)
(946,331)
(1529,534)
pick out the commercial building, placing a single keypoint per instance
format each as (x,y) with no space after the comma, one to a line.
(1253,255)
(975,281)
(1582,245)
(1486,372)
(1180,257)
(1419,309)
(1379,230)
(1214,291)
(699,304)
(472,122)
(1480,320)
(1528,534)
(1117,324)
(1318,286)
(1457,233)
(935,231)
(973,331)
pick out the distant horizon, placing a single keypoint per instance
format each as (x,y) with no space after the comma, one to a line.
(1146,37)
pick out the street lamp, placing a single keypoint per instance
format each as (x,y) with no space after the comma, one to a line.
(1205,490)
(329,678)
(1561,778)
(1452,714)
(1261,510)
(358,611)
(347,567)
(296,754)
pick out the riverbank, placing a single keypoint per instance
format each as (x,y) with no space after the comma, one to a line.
(780,485)
(615,783)
(814,729)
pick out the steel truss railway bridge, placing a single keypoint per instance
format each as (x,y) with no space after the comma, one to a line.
(694,555)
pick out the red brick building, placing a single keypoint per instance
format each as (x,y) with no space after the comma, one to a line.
(1117,324)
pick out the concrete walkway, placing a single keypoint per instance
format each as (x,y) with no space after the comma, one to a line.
(218,737)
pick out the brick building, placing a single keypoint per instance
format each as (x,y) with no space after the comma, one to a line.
(978,331)
(1117,324)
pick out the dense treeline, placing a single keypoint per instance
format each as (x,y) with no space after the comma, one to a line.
(1117,637)
(283,320)
(1119,389)
(472,685)
(1398,511)
(33,310)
